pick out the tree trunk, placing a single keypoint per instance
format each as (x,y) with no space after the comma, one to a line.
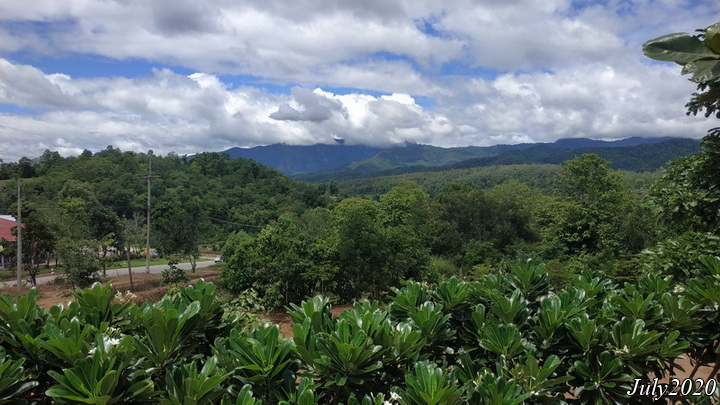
(193,262)
(33,274)
(698,363)
(129,261)
(103,261)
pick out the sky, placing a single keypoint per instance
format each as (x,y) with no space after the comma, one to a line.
(188,76)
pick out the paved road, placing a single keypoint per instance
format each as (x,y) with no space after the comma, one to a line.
(116,272)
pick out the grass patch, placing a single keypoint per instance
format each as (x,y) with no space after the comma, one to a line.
(11,273)
(122,264)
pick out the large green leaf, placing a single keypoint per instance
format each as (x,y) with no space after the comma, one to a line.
(680,47)
(262,358)
(712,37)
(702,70)
(429,385)
(14,379)
(184,384)
(105,377)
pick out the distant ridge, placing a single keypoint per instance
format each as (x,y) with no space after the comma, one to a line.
(293,159)
(577,143)
(322,162)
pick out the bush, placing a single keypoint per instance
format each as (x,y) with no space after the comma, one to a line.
(174,275)
(509,338)
(79,263)
(439,268)
(677,256)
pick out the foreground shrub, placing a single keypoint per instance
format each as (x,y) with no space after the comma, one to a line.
(506,339)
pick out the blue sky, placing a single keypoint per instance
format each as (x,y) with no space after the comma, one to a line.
(188,76)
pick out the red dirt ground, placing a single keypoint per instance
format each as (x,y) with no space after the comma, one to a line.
(147,287)
(282,319)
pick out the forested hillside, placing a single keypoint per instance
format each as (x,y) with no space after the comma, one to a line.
(624,155)
(289,239)
(538,176)
(589,218)
(293,159)
(629,284)
(100,200)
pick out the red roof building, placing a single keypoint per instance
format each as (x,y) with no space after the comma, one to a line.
(6,224)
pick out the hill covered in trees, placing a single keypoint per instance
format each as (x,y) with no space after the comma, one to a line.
(288,239)
(343,161)
(631,154)
(100,200)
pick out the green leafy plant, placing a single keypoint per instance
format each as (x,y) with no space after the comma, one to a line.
(98,307)
(346,361)
(167,332)
(541,380)
(244,397)
(262,358)
(66,342)
(510,309)
(489,389)
(430,320)
(103,378)
(317,310)
(602,379)
(174,275)
(15,381)
(407,299)
(504,340)
(304,395)
(585,334)
(429,385)
(185,385)
(530,278)
(453,295)
(21,326)
(699,55)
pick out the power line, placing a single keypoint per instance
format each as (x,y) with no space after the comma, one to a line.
(22,130)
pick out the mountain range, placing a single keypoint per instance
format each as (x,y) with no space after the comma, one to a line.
(321,162)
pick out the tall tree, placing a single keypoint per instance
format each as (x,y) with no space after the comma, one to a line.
(362,247)
(131,236)
(180,223)
(595,212)
(87,219)
(688,194)
(38,241)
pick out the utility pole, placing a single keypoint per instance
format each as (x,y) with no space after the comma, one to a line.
(18,240)
(149,177)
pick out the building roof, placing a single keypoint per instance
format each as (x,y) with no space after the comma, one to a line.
(5,226)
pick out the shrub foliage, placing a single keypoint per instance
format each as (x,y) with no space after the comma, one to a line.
(505,339)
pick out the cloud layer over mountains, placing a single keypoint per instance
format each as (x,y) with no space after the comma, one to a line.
(188,76)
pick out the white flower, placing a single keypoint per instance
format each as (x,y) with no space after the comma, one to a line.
(624,350)
(109,342)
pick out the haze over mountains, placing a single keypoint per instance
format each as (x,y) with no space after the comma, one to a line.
(338,162)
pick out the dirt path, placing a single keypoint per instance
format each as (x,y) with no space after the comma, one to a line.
(147,287)
(283,320)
